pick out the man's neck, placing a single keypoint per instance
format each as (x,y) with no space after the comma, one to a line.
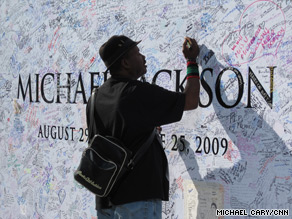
(123,75)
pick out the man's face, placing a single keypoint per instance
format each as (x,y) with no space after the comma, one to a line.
(137,63)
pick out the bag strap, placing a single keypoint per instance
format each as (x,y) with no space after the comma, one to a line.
(97,127)
(101,130)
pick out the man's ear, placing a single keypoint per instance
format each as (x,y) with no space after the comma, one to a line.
(125,63)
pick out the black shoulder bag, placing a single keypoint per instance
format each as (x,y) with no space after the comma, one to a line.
(106,160)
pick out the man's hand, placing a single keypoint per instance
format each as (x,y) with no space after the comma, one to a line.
(190,48)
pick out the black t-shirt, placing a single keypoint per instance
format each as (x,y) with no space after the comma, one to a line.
(130,110)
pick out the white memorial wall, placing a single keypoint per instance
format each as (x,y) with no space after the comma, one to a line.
(233,152)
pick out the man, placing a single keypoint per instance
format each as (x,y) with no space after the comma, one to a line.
(130,110)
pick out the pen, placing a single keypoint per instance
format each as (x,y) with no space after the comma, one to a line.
(189,43)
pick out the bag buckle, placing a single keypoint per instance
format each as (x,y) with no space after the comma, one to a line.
(131,164)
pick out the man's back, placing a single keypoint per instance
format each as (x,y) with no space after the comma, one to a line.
(130,110)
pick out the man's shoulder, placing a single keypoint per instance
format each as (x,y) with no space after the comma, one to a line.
(128,86)
(121,86)
(132,85)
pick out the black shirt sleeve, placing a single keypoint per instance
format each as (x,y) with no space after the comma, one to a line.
(153,105)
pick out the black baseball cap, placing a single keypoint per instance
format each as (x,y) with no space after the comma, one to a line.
(117,46)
